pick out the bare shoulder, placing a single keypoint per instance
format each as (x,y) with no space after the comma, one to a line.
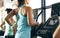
(28,7)
(16,10)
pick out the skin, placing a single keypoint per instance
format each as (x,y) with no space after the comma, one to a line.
(56,34)
(14,29)
(11,21)
(27,11)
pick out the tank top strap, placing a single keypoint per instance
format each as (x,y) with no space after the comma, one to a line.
(20,10)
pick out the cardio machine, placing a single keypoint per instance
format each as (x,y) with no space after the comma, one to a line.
(47,28)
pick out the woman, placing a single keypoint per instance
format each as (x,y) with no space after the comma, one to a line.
(8,28)
(25,20)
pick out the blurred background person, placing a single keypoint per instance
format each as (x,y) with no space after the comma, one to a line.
(8,28)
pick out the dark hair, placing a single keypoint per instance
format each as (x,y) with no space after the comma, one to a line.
(8,10)
(20,2)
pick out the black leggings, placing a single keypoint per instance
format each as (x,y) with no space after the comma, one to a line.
(11,36)
(1,33)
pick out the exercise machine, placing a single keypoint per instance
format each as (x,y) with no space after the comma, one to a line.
(47,28)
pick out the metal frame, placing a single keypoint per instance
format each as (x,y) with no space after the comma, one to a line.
(43,5)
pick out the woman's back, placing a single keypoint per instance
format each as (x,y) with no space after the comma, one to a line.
(22,19)
(23,26)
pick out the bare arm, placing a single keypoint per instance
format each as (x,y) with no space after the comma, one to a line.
(30,18)
(56,34)
(2,25)
(11,14)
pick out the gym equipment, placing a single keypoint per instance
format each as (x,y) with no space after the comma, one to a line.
(46,29)
(55,9)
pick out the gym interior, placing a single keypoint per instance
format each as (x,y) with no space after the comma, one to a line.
(46,12)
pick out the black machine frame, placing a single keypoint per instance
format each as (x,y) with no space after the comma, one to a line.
(44,23)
